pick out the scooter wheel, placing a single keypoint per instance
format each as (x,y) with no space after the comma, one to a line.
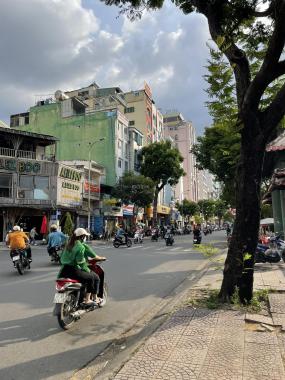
(64,318)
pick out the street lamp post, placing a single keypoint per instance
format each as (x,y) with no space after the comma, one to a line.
(89,178)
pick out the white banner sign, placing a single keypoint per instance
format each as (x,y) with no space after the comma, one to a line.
(69,186)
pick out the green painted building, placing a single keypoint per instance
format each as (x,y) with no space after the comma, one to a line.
(77,129)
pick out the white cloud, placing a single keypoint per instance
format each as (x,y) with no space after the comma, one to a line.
(59,44)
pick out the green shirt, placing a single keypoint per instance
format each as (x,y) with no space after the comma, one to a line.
(77,257)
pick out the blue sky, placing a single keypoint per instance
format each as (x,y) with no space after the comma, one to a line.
(48,45)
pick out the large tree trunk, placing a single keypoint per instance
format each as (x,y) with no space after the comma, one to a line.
(239,264)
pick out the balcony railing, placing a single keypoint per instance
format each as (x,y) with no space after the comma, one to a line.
(20,153)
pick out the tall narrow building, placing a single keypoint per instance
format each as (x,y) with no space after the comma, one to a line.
(144,115)
(183,134)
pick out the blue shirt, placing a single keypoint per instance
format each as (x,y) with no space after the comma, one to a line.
(56,239)
(120,232)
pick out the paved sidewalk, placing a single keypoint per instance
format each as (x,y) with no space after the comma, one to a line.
(217,344)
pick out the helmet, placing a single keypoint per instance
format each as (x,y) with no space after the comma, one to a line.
(81,232)
(16,228)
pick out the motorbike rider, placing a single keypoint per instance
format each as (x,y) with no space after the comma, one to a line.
(155,232)
(17,239)
(197,231)
(74,260)
(168,233)
(55,239)
(120,234)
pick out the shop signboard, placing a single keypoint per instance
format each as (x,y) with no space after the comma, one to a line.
(128,210)
(113,211)
(163,209)
(69,186)
(19,166)
(94,189)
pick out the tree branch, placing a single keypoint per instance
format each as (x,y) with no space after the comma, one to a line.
(234,54)
(271,68)
(274,113)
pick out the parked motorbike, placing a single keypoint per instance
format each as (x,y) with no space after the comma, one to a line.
(138,238)
(266,255)
(55,253)
(118,241)
(69,296)
(271,252)
(20,260)
(96,236)
(169,240)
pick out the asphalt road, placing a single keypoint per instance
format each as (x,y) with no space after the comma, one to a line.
(32,346)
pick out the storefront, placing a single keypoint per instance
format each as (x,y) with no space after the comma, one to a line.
(163,214)
(128,217)
(26,193)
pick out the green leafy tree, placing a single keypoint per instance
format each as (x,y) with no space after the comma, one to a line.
(266,211)
(207,208)
(68,224)
(218,150)
(187,208)
(134,189)
(220,209)
(232,24)
(162,163)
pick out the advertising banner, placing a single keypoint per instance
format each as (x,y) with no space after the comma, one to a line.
(69,186)
(128,210)
(94,189)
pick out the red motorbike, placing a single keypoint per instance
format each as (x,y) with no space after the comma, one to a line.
(69,296)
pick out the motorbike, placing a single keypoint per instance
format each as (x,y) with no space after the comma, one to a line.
(169,240)
(197,239)
(55,253)
(69,296)
(20,260)
(118,241)
(154,235)
(138,238)
(96,236)
(270,253)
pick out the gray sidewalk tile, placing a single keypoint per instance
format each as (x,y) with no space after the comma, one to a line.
(257,318)
(203,344)
(261,338)
(185,312)
(140,369)
(187,355)
(192,342)
(277,303)
(177,371)
(278,319)
(262,363)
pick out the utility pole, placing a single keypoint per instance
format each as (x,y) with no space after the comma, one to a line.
(91,144)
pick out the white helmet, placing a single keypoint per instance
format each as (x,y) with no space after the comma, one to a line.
(80,232)
(16,228)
